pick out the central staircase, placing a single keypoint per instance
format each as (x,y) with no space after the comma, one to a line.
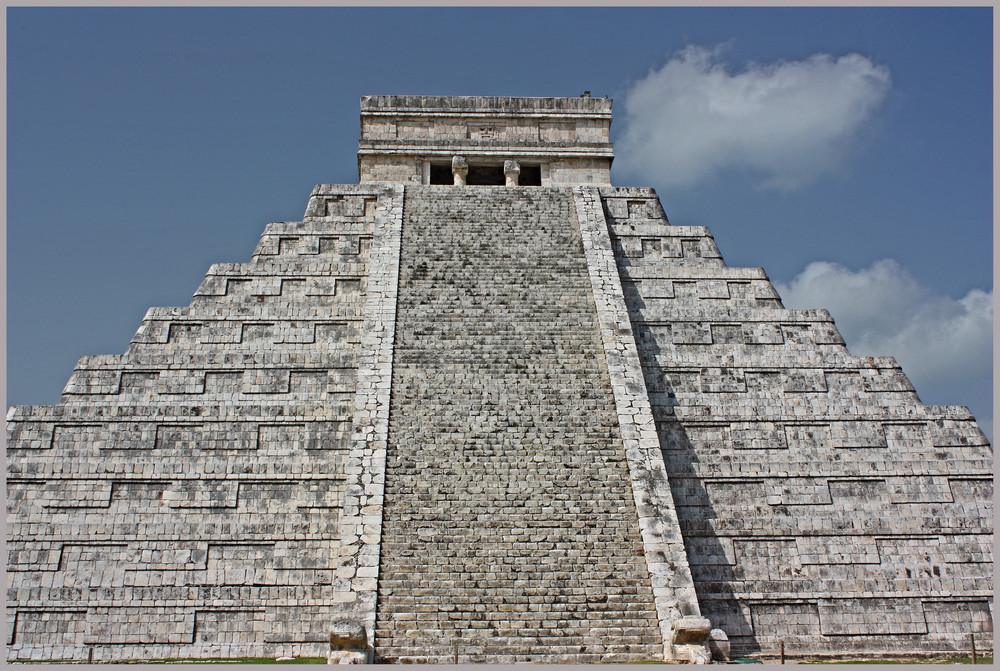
(509,532)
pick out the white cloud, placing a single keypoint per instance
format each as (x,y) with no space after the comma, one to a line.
(939,341)
(788,121)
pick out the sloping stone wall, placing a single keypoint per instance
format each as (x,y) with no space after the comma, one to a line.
(361,519)
(822,504)
(673,588)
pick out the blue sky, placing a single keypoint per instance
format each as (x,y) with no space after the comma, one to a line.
(847,151)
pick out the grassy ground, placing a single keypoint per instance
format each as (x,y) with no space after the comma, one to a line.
(980,659)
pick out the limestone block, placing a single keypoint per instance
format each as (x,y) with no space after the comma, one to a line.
(181,382)
(29,435)
(85,381)
(718,644)
(346,635)
(689,640)
(872,616)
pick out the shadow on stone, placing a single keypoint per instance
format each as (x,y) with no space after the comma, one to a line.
(712,570)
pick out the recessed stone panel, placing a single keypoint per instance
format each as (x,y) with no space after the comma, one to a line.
(873,616)
(785,619)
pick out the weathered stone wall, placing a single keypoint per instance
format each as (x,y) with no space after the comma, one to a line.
(397,169)
(822,504)
(509,525)
(184,498)
(578,171)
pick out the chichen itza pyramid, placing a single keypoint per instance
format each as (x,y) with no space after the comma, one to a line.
(489,407)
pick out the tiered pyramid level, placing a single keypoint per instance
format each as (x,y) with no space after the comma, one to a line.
(184,498)
(822,504)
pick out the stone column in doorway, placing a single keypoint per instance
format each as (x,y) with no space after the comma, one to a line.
(511,171)
(459,170)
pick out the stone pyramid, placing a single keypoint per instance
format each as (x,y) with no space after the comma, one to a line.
(491,408)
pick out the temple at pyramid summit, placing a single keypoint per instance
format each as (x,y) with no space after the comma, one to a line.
(485,407)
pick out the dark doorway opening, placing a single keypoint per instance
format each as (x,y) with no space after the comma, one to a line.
(531,175)
(441,174)
(485,175)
